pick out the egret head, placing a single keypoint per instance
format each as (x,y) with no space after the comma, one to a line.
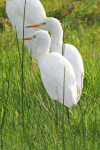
(41,38)
(51,24)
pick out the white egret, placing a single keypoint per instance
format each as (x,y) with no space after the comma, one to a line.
(51,67)
(34,13)
(70,52)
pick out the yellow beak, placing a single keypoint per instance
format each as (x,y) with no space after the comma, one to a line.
(26,38)
(33,25)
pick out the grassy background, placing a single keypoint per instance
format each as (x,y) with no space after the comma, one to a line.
(30,124)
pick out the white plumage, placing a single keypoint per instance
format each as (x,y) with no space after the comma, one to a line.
(70,52)
(34,13)
(51,66)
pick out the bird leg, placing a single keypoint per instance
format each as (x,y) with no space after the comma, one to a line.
(30,53)
(56,112)
(67,112)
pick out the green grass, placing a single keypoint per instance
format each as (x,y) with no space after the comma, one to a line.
(82,29)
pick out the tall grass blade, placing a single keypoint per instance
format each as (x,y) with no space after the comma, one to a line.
(83,127)
(56,108)
(22,70)
(5,108)
(63,112)
(18,48)
(83,114)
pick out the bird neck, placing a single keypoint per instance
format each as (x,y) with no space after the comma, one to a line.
(56,40)
(41,52)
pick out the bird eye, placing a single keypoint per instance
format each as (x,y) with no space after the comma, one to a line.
(44,23)
(34,36)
